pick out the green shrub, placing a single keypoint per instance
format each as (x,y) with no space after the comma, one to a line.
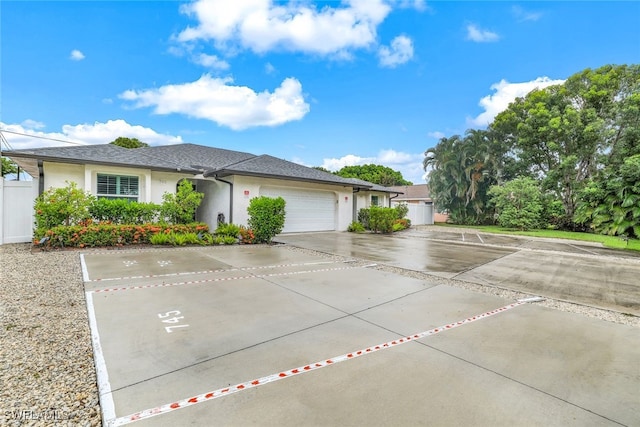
(219,240)
(518,203)
(62,206)
(160,239)
(401,210)
(229,240)
(192,239)
(363,218)
(381,219)
(356,227)
(121,211)
(401,224)
(179,239)
(231,230)
(180,208)
(93,235)
(266,217)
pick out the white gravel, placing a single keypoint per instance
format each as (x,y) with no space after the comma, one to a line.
(47,375)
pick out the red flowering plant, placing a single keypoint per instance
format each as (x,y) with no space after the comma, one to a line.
(247,236)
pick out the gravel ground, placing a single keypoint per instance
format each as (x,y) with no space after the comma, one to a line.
(46,359)
(47,374)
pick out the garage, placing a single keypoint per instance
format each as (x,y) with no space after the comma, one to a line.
(306,210)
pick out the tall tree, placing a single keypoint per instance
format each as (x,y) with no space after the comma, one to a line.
(461,170)
(320,168)
(377,174)
(129,142)
(8,167)
(563,134)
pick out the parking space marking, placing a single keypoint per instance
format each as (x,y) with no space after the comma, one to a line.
(102,376)
(220,270)
(582,249)
(169,407)
(223,279)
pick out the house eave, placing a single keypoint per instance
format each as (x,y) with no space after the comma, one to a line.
(54,159)
(224,173)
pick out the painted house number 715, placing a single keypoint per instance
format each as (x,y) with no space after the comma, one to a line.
(175,320)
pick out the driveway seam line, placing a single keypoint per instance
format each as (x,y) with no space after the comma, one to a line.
(520,382)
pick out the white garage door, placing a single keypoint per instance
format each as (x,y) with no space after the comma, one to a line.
(306,210)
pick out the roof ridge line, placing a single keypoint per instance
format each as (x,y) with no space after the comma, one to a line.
(212,171)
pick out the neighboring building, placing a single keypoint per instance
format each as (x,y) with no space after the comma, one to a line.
(316,200)
(421,208)
(376,195)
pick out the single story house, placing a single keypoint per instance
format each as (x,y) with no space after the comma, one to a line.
(316,200)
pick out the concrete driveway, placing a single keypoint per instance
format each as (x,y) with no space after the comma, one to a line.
(564,270)
(270,335)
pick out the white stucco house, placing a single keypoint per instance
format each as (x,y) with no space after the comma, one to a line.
(316,200)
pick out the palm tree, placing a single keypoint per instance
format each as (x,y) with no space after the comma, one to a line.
(460,174)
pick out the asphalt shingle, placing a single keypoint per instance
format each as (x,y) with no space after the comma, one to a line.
(191,158)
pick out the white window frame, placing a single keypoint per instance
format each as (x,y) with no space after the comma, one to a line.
(131,196)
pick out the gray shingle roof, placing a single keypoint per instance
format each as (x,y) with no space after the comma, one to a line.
(170,157)
(414,192)
(269,166)
(192,156)
(373,187)
(189,158)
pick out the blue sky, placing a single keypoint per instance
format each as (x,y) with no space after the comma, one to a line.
(319,83)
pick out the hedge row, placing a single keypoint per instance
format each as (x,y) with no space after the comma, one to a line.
(104,234)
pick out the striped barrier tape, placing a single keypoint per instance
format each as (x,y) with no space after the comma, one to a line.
(222,279)
(220,270)
(247,385)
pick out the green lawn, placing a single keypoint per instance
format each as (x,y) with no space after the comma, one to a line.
(608,241)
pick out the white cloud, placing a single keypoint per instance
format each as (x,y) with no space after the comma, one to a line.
(436,135)
(410,165)
(76,55)
(215,99)
(32,124)
(189,51)
(400,51)
(524,15)
(211,61)
(262,25)
(506,93)
(269,68)
(334,164)
(84,134)
(479,35)
(419,5)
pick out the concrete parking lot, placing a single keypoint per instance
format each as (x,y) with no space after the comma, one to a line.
(570,271)
(268,335)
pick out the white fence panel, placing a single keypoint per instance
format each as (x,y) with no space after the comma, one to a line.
(16,210)
(420,214)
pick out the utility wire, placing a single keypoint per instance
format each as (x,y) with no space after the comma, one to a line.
(40,137)
(6,143)
(148,155)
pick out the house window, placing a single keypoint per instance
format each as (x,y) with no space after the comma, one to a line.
(374,201)
(118,187)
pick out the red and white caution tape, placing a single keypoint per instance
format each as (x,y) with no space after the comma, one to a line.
(226,391)
(222,279)
(220,270)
